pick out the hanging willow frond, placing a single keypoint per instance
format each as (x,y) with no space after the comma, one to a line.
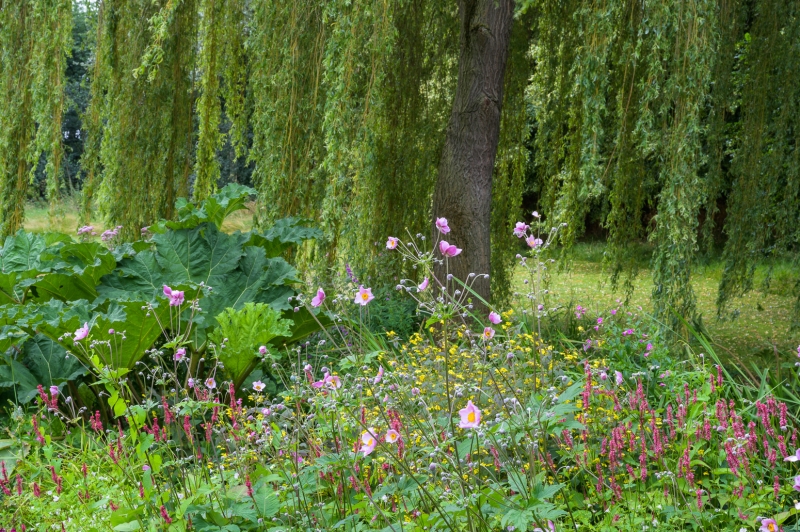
(652,110)
(35,37)
(146,150)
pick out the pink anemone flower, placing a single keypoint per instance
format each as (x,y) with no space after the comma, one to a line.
(533,242)
(423,285)
(363,296)
(793,457)
(175,296)
(318,299)
(82,332)
(448,250)
(470,416)
(769,525)
(368,441)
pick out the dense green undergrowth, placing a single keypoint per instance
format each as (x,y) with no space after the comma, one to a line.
(481,420)
(51,285)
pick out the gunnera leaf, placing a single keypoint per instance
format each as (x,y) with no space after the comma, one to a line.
(246,329)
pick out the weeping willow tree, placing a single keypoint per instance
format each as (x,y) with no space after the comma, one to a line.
(764,199)
(649,113)
(349,106)
(35,39)
(658,118)
(351,102)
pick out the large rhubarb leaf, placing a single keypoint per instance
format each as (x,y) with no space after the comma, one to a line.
(284,234)
(235,273)
(14,374)
(242,332)
(233,197)
(49,362)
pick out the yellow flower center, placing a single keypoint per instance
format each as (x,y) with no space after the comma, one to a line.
(771,527)
(369,441)
(471,417)
(365,296)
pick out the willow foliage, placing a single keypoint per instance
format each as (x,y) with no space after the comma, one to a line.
(147,137)
(349,105)
(35,38)
(647,115)
(651,109)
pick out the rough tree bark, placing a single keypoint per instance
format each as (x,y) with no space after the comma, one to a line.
(463,192)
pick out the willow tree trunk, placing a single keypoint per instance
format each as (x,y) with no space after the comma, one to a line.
(463,192)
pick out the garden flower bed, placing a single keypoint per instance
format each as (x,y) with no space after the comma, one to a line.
(475,422)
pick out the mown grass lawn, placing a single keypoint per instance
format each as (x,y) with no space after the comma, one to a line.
(755,329)
(37,219)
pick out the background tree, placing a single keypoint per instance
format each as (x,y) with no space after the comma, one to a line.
(35,39)
(463,192)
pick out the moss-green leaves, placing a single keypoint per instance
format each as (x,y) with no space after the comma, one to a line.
(242,332)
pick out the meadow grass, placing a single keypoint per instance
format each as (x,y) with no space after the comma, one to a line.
(37,219)
(755,329)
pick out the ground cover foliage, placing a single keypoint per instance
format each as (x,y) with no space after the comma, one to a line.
(52,285)
(471,423)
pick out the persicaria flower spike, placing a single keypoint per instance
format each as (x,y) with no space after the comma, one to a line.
(318,299)
(392,242)
(470,416)
(441,225)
